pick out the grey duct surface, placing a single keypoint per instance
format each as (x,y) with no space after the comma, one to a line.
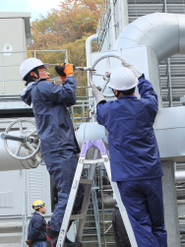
(165,33)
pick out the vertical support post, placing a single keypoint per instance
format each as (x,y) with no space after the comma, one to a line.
(72,113)
(113,22)
(35,54)
(170,84)
(170,205)
(124,13)
(3,74)
(24,219)
(96,213)
(83,112)
(103,212)
(66,57)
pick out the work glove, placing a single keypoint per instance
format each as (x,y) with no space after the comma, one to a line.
(69,69)
(29,242)
(97,94)
(59,68)
(135,71)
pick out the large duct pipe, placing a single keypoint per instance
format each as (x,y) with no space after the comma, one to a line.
(165,33)
(88,46)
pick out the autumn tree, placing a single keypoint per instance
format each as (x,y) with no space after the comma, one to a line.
(67,28)
(72,21)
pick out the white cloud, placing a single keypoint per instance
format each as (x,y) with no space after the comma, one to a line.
(44,4)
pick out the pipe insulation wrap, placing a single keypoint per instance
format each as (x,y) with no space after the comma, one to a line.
(165,33)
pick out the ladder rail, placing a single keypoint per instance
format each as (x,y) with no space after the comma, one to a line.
(98,146)
(121,207)
(97,219)
(70,204)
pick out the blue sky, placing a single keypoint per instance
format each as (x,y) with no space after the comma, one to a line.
(35,7)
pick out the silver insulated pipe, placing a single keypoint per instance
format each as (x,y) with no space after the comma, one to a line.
(180,176)
(163,32)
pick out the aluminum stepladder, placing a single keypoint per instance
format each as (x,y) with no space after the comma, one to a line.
(100,147)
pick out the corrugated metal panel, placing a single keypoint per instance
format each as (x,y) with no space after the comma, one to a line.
(137,8)
(36,185)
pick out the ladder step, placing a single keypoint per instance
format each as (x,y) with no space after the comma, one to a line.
(93,161)
(86,181)
(77,216)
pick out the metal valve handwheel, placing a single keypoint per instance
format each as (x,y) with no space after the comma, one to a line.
(106,75)
(28,142)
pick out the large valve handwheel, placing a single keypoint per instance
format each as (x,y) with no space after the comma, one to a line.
(26,140)
(106,75)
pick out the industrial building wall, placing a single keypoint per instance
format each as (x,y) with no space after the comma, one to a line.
(16,186)
(112,23)
(12,39)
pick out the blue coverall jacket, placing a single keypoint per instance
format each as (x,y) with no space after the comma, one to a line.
(55,130)
(50,102)
(129,121)
(37,228)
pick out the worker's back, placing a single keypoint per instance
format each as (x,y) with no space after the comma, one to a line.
(133,148)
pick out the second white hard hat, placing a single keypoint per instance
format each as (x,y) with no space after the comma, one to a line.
(30,64)
(122,79)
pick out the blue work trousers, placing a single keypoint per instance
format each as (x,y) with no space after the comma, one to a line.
(144,204)
(39,244)
(61,167)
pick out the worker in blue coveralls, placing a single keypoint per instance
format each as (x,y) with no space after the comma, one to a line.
(59,146)
(37,226)
(134,155)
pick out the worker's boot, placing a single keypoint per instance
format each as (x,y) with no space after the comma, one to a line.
(51,237)
(68,243)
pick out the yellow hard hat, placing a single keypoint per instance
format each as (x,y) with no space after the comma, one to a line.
(38,204)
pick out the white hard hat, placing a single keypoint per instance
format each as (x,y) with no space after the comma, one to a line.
(122,79)
(30,64)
